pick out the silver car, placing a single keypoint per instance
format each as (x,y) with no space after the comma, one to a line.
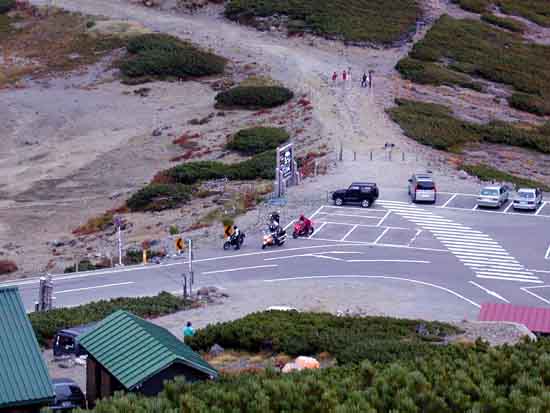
(422,188)
(528,199)
(493,196)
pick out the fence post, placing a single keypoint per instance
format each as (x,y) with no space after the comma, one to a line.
(341,154)
(371,155)
(403,156)
(354,155)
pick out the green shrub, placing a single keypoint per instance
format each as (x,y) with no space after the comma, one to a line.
(174,229)
(505,23)
(6,5)
(46,324)
(156,197)
(162,56)
(351,20)
(434,74)
(256,140)
(434,125)
(475,6)
(297,333)
(84,265)
(260,166)
(489,174)
(537,11)
(476,48)
(254,97)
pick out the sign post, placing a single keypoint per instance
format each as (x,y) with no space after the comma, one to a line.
(191,275)
(118,225)
(285,167)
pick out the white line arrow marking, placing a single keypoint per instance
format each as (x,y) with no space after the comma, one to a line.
(494,294)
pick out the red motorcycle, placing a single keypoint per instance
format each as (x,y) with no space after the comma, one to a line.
(302,230)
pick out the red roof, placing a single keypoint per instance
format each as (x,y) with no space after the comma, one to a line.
(536,319)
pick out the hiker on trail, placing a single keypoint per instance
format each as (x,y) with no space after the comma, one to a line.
(188,331)
(334,77)
(349,73)
(365,80)
(344,75)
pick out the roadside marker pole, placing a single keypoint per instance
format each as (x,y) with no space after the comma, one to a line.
(119,246)
(191,276)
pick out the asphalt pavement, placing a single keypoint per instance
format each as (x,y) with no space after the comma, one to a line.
(471,254)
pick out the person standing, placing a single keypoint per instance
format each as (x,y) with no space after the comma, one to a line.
(364,80)
(334,77)
(188,331)
(344,75)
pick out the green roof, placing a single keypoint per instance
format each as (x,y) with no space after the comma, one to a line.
(24,378)
(133,349)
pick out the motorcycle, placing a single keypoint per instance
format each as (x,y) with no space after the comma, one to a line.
(273,237)
(300,230)
(236,242)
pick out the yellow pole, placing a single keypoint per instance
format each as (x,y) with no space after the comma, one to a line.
(145,256)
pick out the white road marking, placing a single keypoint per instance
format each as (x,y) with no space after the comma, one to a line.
(508,207)
(394,260)
(374,277)
(448,201)
(540,208)
(469,241)
(547,255)
(493,264)
(348,215)
(506,274)
(289,224)
(381,236)
(489,277)
(348,233)
(74,290)
(349,224)
(285,257)
(541,271)
(371,244)
(316,212)
(470,247)
(327,257)
(460,250)
(474,208)
(240,269)
(526,289)
(482,255)
(493,293)
(383,218)
(317,230)
(413,239)
(461,231)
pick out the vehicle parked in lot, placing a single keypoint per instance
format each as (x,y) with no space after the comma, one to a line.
(422,188)
(68,396)
(66,342)
(528,199)
(362,193)
(493,196)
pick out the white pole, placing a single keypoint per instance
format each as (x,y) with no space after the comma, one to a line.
(119,246)
(191,277)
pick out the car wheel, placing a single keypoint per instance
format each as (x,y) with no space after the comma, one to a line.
(365,203)
(339,201)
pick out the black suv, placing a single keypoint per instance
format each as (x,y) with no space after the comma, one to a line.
(363,193)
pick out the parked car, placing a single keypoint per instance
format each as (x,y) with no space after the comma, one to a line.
(68,396)
(528,199)
(362,193)
(66,343)
(493,196)
(422,188)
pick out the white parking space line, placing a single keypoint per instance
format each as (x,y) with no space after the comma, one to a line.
(348,233)
(289,224)
(327,257)
(413,239)
(349,224)
(527,290)
(515,273)
(383,218)
(239,269)
(470,241)
(492,263)
(547,255)
(490,277)
(317,211)
(448,201)
(466,254)
(474,251)
(474,208)
(508,207)
(336,214)
(386,245)
(74,290)
(493,293)
(399,261)
(454,230)
(540,208)
(381,236)
(317,230)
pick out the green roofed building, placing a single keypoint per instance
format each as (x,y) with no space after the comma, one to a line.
(25,384)
(128,353)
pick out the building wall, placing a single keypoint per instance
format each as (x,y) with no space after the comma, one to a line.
(155,384)
(99,382)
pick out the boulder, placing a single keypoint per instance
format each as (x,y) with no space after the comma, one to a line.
(290,367)
(304,362)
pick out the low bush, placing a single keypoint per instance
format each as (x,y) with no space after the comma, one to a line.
(489,174)
(46,324)
(349,339)
(434,125)
(538,11)
(6,6)
(475,6)
(156,197)
(87,265)
(161,56)
(434,74)
(256,140)
(254,97)
(530,103)
(505,23)
(7,267)
(135,256)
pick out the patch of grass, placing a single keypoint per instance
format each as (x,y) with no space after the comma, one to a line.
(256,140)
(161,56)
(95,224)
(476,48)
(434,125)
(489,174)
(46,324)
(538,11)
(156,197)
(254,97)
(434,74)
(475,6)
(505,23)
(350,20)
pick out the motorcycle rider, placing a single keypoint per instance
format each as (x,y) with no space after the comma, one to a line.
(236,237)
(305,222)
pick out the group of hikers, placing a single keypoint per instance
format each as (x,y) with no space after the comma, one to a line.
(366,79)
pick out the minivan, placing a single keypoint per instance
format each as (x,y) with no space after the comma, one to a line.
(422,188)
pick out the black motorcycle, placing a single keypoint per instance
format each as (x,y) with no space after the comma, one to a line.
(234,241)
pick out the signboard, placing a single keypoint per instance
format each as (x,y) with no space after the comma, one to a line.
(180,245)
(228,230)
(285,161)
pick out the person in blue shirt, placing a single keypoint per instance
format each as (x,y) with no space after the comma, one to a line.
(188,331)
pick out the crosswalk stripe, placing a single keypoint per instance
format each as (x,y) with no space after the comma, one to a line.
(483,255)
(468,240)
(504,271)
(491,263)
(443,234)
(504,274)
(525,280)
(463,250)
(452,230)
(462,245)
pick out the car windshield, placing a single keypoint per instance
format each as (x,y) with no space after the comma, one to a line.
(428,185)
(489,192)
(526,195)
